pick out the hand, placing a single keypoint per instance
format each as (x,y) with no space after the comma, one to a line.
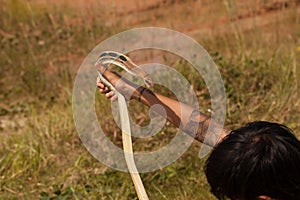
(125,87)
(105,90)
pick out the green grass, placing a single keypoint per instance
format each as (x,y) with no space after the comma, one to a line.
(41,155)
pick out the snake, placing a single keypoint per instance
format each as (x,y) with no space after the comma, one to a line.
(107,58)
(104,60)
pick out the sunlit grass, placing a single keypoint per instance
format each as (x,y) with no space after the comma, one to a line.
(41,155)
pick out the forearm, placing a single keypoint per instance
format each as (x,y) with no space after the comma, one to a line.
(185,117)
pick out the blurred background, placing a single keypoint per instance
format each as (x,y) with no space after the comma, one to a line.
(255,44)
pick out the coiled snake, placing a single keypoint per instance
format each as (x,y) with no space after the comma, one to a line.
(106,59)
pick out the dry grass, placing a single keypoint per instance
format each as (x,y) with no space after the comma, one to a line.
(41,155)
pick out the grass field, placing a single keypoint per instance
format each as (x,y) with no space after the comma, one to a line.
(256,48)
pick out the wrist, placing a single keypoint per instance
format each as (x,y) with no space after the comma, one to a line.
(141,90)
(143,94)
(138,93)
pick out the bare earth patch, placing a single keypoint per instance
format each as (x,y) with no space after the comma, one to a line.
(193,17)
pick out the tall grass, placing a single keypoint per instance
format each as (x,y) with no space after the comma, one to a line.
(41,155)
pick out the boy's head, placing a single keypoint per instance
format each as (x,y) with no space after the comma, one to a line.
(260,159)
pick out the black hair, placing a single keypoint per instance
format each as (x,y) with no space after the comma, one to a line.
(261,158)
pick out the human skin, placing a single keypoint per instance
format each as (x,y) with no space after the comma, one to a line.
(200,126)
(181,115)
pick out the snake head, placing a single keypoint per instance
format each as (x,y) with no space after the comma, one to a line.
(107,58)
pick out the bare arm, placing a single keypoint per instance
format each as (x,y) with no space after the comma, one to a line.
(181,115)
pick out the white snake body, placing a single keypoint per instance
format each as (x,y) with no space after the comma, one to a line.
(105,59)
(121,60)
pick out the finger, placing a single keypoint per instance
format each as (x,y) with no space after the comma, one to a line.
(114,98)
(104,90)
(110,94)
(103,87)
(100,84)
